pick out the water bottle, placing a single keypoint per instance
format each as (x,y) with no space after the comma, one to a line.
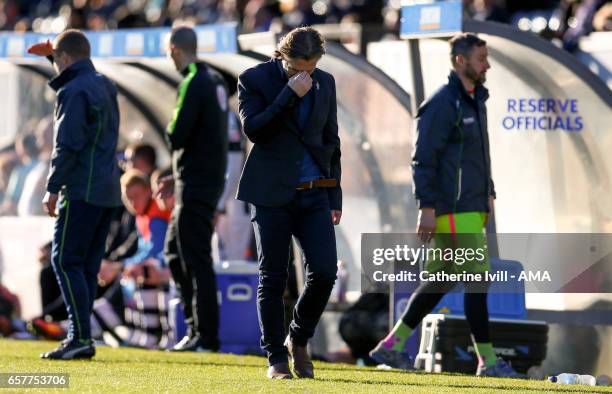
(572,378)
(564,378)
(587,380)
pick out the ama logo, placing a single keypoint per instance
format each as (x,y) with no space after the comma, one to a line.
(534,276)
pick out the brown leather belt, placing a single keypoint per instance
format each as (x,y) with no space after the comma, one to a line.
(317,183)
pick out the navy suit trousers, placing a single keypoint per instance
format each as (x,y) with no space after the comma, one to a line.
(308,218)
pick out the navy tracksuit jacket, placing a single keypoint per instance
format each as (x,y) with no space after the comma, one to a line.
(84,172)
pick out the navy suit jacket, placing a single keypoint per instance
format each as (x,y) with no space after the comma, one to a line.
(267,109)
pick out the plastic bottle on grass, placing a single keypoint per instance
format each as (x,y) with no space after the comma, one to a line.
(572,378)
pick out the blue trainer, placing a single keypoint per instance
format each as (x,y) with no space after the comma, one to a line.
(392,358)
(501,369)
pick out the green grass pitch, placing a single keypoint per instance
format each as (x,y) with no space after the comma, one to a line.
(131,370)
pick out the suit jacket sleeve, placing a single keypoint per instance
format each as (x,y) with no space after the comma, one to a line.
(255,114)
(70,137)
(330,135)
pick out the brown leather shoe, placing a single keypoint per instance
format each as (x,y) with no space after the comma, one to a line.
(279,371)
(302,366)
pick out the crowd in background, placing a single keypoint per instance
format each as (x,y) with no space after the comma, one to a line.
(133,293)
(132,303)
(24,169)
(253,15)
(564,19)
(134,279)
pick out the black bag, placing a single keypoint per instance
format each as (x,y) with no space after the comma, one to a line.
(364,324)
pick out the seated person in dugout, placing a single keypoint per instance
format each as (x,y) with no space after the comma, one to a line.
(122,237)
(145,274)
(108,316)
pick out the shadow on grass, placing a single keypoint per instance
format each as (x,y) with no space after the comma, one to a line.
(102,360)
(183,362)
(363,369)
(438,385)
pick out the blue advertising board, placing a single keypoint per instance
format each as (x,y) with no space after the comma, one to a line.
(127,43)
(421,19)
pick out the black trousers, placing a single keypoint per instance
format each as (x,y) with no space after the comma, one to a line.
(188,253)
(428,294)
(51,295)
(308,218)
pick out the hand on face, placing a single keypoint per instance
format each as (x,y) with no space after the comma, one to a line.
(300,83)
(299,72)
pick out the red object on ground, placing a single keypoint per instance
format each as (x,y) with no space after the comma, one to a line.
(48,330)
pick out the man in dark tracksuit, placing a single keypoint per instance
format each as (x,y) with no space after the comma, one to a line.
(85,174)
(292,181)
(455,193)
(197,135)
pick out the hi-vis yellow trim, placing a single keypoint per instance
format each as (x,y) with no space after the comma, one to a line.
(193,69)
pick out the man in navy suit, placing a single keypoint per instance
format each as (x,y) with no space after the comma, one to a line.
(292,181)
